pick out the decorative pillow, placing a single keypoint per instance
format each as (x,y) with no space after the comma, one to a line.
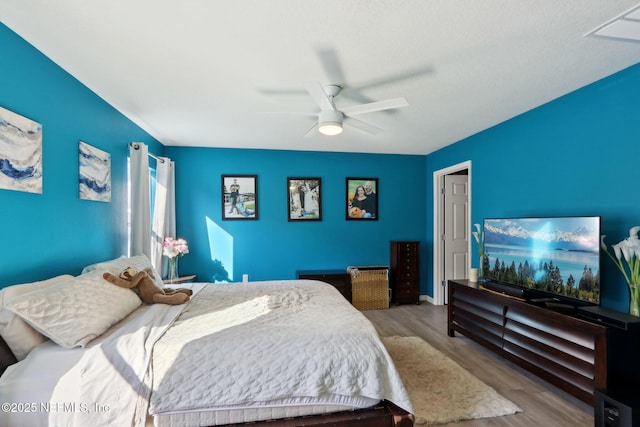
(118,265)
(19,336)
(74,312)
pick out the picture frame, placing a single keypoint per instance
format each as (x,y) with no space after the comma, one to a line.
(21,152)
(239,197)
(94,173)
(363,207)
(304,201)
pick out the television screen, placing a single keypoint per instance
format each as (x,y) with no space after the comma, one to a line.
(554,256)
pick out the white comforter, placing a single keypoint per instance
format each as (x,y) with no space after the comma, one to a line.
(232,345)
(270,341)
(102,384)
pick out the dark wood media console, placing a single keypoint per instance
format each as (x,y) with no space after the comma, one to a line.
(578,355)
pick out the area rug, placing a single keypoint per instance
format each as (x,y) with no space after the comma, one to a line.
(441,391)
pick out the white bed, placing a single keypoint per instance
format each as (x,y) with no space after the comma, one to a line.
(235,353)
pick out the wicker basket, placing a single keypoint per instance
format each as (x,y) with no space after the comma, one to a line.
(369,287)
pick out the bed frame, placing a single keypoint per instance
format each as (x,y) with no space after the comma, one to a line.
(7,358)
(384,414)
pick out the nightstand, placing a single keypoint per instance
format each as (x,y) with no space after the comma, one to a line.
(182,279)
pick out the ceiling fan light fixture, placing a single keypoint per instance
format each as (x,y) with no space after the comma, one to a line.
(330,122)
(330,129)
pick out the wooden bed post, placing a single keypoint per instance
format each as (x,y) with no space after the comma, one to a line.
(401,418)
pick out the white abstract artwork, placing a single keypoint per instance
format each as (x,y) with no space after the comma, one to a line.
(94,173)
(20,153)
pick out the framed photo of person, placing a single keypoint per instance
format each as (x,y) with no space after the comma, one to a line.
(362,199)
(304,202)
(239,197)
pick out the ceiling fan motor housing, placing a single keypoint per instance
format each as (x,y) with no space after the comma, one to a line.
(332,90)
(330,122)
(330,117)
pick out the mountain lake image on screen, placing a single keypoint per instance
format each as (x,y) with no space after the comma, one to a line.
(559,256)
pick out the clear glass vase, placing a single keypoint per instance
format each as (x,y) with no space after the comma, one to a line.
(172,272)
(634,300)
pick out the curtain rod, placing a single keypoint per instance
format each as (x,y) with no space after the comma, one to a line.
(136,146)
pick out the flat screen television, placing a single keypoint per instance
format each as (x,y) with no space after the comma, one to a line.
(555,257)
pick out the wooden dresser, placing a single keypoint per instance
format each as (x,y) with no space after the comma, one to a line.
(341,279)
(404,275)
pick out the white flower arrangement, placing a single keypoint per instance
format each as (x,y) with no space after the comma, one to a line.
(172,248)
(627,250)
(627,259)
(479,236)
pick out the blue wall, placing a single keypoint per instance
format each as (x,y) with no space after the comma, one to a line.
(577,155)
(271,247)
(56,232)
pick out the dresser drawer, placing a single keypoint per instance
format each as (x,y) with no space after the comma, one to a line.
(407,272)
(407,296)
(407,291)
(407,284)
(408,249)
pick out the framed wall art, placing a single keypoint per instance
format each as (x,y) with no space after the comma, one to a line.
(94,173)
(304,201)
(362,199)
(239,197)
(20,153)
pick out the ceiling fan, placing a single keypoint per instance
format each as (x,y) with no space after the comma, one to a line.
(331,119)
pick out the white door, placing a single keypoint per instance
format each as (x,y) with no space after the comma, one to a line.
(456,232)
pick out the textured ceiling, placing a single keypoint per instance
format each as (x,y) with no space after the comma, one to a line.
(208,73)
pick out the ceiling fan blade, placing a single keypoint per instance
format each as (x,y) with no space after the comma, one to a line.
(355,110)
(398,77)
(319,95)
(311,131)
(291,113)
(281,91)
(331,63)
(363,126)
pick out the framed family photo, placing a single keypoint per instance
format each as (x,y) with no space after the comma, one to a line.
(304,199)
(362,199)
(239,197)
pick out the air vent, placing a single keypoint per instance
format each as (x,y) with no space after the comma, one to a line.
(625,27)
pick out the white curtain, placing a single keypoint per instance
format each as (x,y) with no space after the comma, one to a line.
(140,242)
(164,210)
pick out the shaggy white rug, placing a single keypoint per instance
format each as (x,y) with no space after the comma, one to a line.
(441,391)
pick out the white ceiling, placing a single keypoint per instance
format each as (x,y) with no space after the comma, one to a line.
(203,73)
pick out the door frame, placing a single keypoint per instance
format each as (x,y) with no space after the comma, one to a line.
(438,227)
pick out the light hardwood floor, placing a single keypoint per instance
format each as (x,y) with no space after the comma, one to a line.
(543,405)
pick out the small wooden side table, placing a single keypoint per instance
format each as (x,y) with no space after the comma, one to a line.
(182,279)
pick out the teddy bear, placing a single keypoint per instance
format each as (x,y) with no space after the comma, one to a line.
(142,283)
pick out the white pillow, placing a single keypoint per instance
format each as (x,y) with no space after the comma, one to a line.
(118,265)
(19,336)
(74,312)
